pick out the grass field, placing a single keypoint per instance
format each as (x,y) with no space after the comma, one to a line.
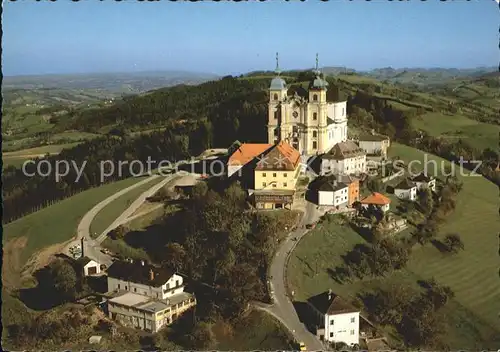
(58,223)
(18,157)
(114,209)
(478,134)
(258,331)
(472,274)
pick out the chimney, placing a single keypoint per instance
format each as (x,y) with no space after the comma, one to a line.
(329,295)
(151,274)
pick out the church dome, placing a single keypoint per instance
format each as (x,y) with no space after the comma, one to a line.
(319,83)
(277,83)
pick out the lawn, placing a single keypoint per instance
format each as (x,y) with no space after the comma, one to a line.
(58,223)
(114,209)
(257,331)
(472,274)
(478,134)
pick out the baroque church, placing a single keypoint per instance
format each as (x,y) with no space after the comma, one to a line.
(310,123)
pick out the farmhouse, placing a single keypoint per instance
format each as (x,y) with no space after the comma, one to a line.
(377,200)
(336,319)
(344,158)
(334,194)
(144,279)
(275,176)
(422,181)
(374,144)
(406,190)
(146,313)
(88,266)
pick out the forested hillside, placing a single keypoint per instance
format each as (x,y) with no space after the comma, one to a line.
(185,120)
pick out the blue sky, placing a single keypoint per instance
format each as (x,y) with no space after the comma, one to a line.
(231,38)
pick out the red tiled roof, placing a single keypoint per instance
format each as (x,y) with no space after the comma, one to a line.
(376,198)
(247,152)
(280,157)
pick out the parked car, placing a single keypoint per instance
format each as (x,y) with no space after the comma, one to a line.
(310,226)
(303,346)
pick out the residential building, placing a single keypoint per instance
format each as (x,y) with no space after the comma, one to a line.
(146,313)
(337,320)
(144,279)
(245,153)
(333,194)
(344,158)
(88,266)
(275,176)
(353,187)
(308,122)
(422,181)
(406,190)
(377,200)
(374,144)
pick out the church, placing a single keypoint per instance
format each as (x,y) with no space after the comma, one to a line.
(311,124)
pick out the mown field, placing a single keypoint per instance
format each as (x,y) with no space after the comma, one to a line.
(58,223)
(477,134)
(472,274)
(114,209)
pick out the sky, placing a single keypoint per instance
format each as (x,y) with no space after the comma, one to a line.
(238,37)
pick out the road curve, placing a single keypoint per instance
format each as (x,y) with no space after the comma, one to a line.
(134,206)
(282,307)
(84,225)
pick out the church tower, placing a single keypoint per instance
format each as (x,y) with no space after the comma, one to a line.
(276,115)
(317,119)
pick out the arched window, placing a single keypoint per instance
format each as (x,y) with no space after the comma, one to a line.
(275,97)
(315,97)
(315,115)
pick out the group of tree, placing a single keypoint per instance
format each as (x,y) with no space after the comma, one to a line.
(416,315)
(374,260)
(218,242)
(442,207)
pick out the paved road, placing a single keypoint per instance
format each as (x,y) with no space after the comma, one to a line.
(282,308)
(134,206)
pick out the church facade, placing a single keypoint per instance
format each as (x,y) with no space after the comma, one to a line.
(310,124)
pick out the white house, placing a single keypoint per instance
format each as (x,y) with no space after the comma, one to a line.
(374,144)
(344,158)
(422,181)
(89,266)
(144,279)
(146,313)
(406,190)
(333,193)
(337,321)
(377,200)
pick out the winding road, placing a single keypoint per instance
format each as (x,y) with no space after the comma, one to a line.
(282,307)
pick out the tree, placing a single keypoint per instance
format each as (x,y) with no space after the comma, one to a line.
(119,232)
(202,337)
(453,243)
(64,279)
(425,200)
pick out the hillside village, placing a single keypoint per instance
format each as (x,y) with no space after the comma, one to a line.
(308,159)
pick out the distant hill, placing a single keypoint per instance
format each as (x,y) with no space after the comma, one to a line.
(127,83)
(427,76)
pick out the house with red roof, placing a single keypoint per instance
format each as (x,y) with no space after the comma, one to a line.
(378,200)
